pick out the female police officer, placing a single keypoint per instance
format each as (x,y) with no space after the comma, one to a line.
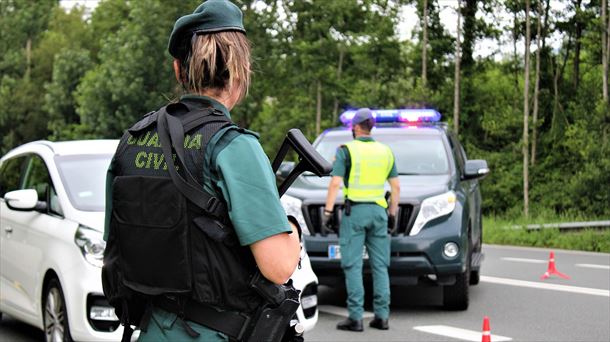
(212,62)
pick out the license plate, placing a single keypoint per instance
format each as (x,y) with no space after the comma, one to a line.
(334,252)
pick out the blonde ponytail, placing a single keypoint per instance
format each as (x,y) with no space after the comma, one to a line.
(218,61)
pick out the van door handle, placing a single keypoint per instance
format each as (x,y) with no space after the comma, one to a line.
(8,229)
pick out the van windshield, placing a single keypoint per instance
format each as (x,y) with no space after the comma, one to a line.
(414,154)
(84,178)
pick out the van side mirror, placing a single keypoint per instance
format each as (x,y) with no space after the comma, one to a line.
(309,159)
(22,200)
(476,168)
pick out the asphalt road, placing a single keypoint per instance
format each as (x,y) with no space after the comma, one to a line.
(520,306)
(577,311)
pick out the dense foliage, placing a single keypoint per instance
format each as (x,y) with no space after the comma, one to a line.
(508,232)
(73,75)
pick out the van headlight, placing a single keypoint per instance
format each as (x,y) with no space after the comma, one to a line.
(433,207)
(293,206)
(91,244)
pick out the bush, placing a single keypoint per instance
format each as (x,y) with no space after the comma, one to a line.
(503,231)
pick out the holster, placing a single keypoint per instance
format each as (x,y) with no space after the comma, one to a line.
(273,320)
(347,207)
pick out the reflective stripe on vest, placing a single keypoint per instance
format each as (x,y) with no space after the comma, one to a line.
(371,163)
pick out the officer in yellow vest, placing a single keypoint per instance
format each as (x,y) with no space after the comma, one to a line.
(364,165)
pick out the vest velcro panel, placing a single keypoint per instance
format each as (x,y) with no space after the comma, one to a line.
(149,214)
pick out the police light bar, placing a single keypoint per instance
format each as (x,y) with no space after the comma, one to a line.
(396,115)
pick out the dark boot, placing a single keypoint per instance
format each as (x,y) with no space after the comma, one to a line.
(350,324)
(378,323)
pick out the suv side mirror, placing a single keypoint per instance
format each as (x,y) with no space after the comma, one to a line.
(22,199)
(476,168)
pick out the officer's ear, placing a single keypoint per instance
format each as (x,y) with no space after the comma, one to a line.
(177,70)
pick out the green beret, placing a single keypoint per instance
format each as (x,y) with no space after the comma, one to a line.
(210,16)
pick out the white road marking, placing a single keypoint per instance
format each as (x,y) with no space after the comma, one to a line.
(458,333)
(339,311)
(531,261)
(602,267)
(546,286)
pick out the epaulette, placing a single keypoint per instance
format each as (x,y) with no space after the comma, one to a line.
(246,131)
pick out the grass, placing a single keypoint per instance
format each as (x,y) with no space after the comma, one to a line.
(502,231)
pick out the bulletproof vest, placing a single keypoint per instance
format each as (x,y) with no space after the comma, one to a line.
(168,245)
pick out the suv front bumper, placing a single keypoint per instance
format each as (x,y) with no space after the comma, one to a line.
(411,257)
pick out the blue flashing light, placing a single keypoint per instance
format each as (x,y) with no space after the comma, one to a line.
(396,115)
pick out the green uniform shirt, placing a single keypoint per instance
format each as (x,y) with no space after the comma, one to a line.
(340,163)
(238,167)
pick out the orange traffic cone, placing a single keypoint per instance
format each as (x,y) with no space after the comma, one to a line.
(486,332)
(552,269)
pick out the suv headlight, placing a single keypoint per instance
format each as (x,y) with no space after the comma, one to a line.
(91,244)
(433,207)
(293,206)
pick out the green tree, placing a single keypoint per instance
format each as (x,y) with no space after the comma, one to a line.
(135,73)
(21,25)
(68,69)
(329,55)
(70,77)
(107,19)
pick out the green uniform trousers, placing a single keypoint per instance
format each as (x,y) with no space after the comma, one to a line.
(366,225)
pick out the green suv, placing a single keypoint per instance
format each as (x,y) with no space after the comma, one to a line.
(438,236)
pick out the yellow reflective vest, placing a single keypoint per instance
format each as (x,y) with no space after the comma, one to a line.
(371,163)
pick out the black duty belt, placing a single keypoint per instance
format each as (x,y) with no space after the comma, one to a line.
(356,203)
(347,207)
(231,323)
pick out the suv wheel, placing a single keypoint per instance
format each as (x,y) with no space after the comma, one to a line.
(455,297)
(55,315)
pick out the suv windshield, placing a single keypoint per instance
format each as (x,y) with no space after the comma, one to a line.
(84,178)
(415,154)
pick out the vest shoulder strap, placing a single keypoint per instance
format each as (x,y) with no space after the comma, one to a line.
(197,117)
(170,127)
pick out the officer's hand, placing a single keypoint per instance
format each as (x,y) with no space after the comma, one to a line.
(327,218)
(391,222)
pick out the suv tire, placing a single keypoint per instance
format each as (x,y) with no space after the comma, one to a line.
(455,297)
(54,313)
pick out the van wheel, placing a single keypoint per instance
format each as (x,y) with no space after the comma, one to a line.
(455,297)
(55,315)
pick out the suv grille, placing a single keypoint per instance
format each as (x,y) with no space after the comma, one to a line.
(314,212)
